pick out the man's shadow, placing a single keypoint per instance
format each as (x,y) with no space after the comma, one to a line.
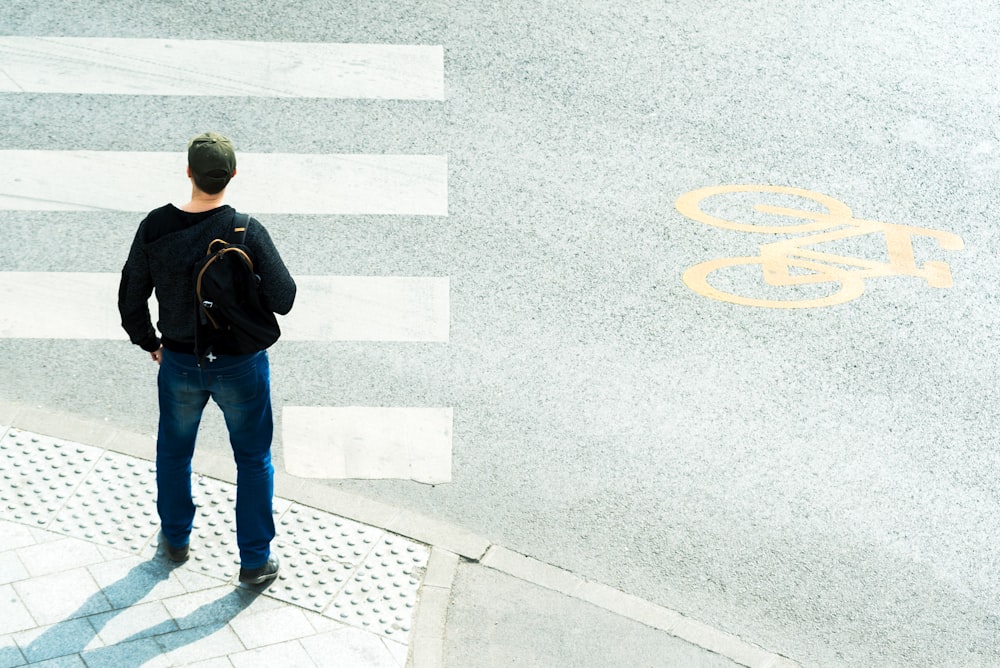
(79,629)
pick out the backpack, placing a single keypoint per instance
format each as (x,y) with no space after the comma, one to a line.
(231,319)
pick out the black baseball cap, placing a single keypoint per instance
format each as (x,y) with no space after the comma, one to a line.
(211,157)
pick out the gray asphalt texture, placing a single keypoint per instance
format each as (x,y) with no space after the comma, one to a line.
(820,481)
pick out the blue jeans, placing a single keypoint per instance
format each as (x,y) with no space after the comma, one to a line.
(241,386)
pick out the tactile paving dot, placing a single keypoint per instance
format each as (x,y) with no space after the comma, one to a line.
(399,554)
(328,535)
(351,572)
(382,595)
(38,474)
(307,579)
(115,504)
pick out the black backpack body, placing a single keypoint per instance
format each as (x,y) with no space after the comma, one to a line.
(231,319)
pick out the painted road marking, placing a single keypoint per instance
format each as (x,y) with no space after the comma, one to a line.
(116,66)
(65,305)
(410,443)
(265,182)
(370,308)
(368,442)
(791,262)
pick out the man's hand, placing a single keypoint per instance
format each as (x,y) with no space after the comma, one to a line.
(157,355)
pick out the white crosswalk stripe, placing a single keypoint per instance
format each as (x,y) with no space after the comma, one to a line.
(118,66)
(70,305)
(368,442)
(310,183)
(317,441)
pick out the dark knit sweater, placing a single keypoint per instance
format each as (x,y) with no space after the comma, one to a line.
(166,247)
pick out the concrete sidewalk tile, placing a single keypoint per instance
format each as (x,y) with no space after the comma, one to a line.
(132,623)
(289,653)
(256,601)
(200,643)
(45,536)
(218,662)
(272,627)
(14,615)
(194,582)
(62,596)
(59,555)
(130,580)
(351,648)
(10,655)
(14,536)
(111,553)
(71,661)
(207,607)
(144,652)
(11,568)
(324,624)
(398,650)
(62,639)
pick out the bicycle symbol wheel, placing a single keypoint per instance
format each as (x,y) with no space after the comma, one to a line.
(849,285)
(689,204)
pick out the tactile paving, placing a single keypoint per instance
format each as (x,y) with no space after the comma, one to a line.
(328,535)
(382,595)
(307,579)
(213,537)
(40,475)
(350,572)
(114,505)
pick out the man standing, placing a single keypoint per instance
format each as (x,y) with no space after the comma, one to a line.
(168,243)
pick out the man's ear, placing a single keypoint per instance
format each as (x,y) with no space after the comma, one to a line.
(190,175)
(234,172)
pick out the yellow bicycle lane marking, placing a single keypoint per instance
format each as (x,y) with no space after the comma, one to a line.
(834,223)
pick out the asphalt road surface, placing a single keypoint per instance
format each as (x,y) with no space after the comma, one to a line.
(819,480)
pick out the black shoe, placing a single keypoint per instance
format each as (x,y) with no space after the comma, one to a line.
(178,554)
(259,576)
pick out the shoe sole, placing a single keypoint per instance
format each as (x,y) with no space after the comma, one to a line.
(260,579)
(263,579)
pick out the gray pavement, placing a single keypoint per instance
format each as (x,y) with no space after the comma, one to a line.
(500,620)
(821,482)
(83,582)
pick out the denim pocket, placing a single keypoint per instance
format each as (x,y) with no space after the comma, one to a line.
(238,386)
